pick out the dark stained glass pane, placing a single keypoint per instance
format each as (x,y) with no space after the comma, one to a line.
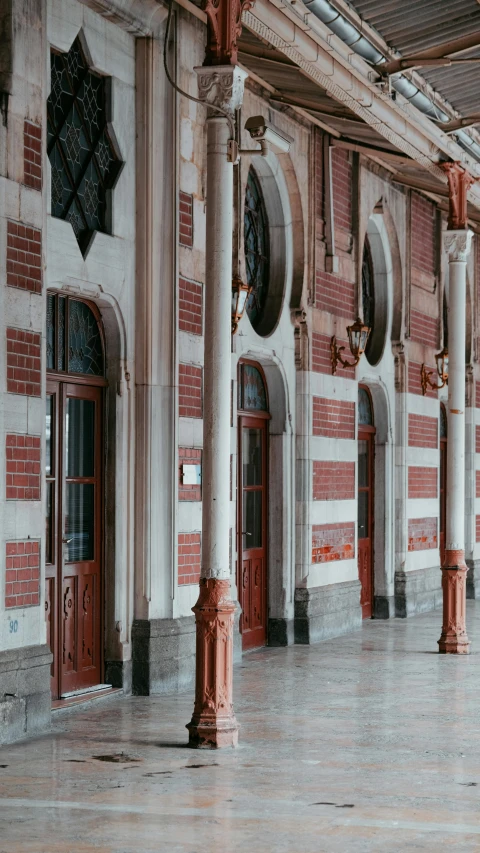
(61,342)
(79,521)
(49,523)
(252,519)
(49,424)
(81,146)
(50,332)
(257,249)
(85,353)
(443,422)
(368,293)
(365,414)
(80,438)
(253,390)
(252,457)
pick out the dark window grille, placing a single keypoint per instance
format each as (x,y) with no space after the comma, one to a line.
(83,153)
(74,340)
(252,394)
(368,289)
(257,248)
(443,421)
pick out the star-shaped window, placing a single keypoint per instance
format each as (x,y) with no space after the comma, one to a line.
(82,149)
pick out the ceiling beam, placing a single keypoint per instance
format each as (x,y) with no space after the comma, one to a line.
(448,51)
(460,123)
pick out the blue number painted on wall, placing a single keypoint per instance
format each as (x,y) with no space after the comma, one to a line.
(13,626)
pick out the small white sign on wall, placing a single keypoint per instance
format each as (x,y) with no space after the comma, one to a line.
(191,475)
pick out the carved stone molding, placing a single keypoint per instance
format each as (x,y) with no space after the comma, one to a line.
(213,722)
(224,26)
(400,367)
(457,244)
(454,639)
(221,86)
(459,182)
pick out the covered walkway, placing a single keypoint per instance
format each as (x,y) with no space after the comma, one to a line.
(364,743)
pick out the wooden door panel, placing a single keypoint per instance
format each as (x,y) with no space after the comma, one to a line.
(50,600)
(365,502)
(87,623)
(69,627)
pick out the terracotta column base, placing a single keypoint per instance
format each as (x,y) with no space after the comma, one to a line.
(454,638)
(213,724)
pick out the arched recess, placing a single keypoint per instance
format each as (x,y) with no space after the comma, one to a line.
(117,509)
(384,514)
(275,194)
(377,258)
(281,505)
(382,238)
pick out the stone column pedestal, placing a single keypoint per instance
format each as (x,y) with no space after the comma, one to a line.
(213,722)
(454,638)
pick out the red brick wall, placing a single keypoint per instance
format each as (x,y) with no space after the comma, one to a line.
(477,394)
(22,574)
(190,311)
(342,188)
(189,553)
(333,481)
(423,234)
(32,155)
(190,399)
(23,467)
(334,294)
(422,431)
(333,418)
(415,379)
(188,456)
(477,528)
(23,362)
(321,360)
(422,482)
(424,329)
(185,219)
(24,257)
(477,439)
(333,542)
(422,534)
(477,484)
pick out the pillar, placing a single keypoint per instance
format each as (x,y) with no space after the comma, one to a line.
(457,241)
(213,722)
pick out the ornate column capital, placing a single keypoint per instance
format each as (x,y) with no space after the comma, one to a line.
(221,86)
(459,183)
(457,244)
(224,27)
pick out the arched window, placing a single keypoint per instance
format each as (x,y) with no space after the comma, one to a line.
(74,340)
(365,411)
(83,153)
(257,248)
(368,291)
(252,393)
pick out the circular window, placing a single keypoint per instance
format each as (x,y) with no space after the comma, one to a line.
(257,249)
(374,293)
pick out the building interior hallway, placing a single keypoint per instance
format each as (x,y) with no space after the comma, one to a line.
(368,742)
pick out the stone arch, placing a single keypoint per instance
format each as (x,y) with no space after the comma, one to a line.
(384,505)
(281,500)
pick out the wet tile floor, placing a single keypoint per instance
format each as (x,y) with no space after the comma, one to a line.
(370,742)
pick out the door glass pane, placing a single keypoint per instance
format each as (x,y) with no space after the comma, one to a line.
(79,522)
(362,463)
(363,515)
(80,434)
(252,519)
(49,435)
(252,457)
(49,523)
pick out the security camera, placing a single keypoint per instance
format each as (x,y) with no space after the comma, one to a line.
(269,136)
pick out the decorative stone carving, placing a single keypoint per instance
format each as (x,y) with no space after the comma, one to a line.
(224,26)
(459,182)
(213,722)
(454,639)
(221,86)
(457,244)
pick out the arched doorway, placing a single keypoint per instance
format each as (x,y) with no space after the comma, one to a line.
(252,503)
(366,499)
(74,494)
(443,482)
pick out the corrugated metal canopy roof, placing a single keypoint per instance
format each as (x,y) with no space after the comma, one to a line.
(412,26)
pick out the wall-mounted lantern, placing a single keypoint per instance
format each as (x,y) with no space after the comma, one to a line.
(357,338)
(240,294)
(442,369)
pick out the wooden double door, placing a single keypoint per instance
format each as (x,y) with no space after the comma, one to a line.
(252,526)
(74,500)
(366,455)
